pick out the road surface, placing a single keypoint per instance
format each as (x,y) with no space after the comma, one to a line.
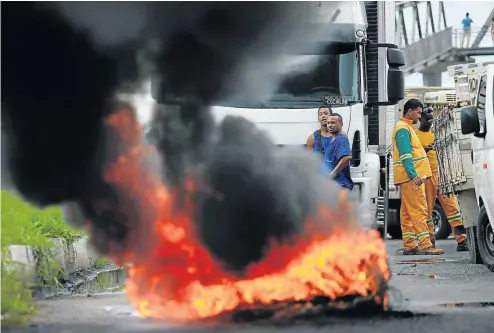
(425,289)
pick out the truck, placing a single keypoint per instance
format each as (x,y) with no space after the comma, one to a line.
(465,150)
(436,98)
(360,77)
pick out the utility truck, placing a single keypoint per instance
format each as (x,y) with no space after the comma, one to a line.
(465,151)
(358,74)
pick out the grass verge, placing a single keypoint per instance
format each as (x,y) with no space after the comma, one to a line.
(23,224)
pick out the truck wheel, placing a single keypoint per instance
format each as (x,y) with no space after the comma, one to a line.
(485,239)
(381,232)
(395,232)
(442,229)
(473,248)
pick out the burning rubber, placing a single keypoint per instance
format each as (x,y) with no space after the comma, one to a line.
(176,278)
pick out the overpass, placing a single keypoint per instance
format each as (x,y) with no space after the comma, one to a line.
(429,51)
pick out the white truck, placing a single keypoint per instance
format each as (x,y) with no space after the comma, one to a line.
(465,148)
(361,79)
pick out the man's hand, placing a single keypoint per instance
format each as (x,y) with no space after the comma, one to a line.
(418,181)
(430,147)
(331,175)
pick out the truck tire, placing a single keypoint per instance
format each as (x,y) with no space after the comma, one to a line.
(473,248)
(485,239)
(442,229)
(394,232)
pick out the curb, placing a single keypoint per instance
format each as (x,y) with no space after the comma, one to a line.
(70,258)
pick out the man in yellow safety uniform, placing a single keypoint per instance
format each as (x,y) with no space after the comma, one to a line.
(410,170)
(449,204)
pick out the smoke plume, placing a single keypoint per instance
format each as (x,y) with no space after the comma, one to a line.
(63,64)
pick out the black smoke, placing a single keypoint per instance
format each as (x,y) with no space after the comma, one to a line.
(64,63)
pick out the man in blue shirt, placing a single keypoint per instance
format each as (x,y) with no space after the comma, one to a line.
(338,153)
(319,140)
(466,22)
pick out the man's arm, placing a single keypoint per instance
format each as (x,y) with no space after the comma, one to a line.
(426,147)
(343,162)
(310,142)
(403,140)
(343,154)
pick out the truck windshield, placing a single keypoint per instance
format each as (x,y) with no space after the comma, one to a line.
(332,76)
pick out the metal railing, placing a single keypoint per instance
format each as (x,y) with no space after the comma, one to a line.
(464,43)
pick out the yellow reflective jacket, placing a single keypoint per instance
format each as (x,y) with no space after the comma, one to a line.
(409,157)
(426,139)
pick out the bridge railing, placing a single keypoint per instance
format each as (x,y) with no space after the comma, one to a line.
(420,53)
(458,41)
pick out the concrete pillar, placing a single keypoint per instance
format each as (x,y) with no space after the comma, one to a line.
(431,79)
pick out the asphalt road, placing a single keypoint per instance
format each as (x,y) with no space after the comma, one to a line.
(420,292)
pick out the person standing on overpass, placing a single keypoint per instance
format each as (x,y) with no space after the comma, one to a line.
(410,169)
(449,204)
(467,30)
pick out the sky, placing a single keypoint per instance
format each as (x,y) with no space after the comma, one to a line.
(455,12)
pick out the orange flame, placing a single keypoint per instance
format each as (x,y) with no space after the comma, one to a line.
(175,277)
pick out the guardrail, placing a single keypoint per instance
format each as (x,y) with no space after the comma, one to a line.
(463,43)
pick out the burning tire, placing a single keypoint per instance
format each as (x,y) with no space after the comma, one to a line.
(174,274)
(485,239)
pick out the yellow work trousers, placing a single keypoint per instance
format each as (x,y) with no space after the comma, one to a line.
(450,207)
(413,217)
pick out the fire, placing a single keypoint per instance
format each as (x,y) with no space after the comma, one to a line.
(175,277)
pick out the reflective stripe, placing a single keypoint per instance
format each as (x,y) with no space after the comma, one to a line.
(402,157)
(454,217)
(408,235)
(423,234)
(429,221)
(416,159)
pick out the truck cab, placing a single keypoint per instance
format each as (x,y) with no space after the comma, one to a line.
(478,119)
(352,65)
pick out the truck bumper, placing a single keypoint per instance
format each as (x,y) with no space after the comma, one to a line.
(367,201)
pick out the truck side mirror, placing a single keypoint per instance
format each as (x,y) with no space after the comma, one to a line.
(469,120)
(396,77)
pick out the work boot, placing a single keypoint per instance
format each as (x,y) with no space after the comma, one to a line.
(410,252)
(462,247)
(431,251)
